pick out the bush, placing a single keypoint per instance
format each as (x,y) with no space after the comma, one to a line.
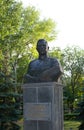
(71,116)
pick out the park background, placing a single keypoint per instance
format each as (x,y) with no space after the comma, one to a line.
(20,28)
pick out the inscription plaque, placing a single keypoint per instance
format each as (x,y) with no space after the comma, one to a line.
(37,111)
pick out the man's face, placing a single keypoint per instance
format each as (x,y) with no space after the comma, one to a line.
(42,47)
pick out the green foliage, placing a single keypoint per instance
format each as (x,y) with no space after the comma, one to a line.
(9,17)
(73,62)
(10,103)
(71,116)
(71,125)
(56,52)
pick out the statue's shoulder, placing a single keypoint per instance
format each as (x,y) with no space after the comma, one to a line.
(33,62)
(53,59)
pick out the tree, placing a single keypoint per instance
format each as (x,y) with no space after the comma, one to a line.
(73,60)
(10,104)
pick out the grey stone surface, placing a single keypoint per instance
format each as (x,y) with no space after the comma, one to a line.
(40,94)
(45,94)
(30,95)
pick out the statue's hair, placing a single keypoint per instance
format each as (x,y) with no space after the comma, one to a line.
(41,40)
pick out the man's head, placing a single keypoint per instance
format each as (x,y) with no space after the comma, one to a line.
(42,46)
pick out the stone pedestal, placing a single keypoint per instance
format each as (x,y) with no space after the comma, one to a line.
(43,107)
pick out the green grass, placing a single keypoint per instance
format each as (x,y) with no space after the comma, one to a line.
(71,124)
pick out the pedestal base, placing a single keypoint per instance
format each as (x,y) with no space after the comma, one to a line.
(43,107)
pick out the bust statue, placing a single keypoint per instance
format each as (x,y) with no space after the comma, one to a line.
(43,69)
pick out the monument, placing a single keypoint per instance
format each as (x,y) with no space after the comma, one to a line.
(42,92)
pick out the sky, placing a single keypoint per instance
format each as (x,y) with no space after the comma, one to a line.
(69,16)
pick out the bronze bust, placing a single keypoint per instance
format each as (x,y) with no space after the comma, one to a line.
(43,69)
